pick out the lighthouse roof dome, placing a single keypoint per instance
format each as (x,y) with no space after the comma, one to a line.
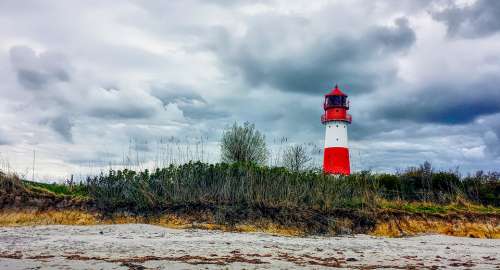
(336,92)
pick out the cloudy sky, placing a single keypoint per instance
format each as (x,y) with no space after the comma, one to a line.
(89,84)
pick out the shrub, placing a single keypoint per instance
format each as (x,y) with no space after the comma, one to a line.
(483,187)
(234,184)
(390,186)
(295,158)
(243,144)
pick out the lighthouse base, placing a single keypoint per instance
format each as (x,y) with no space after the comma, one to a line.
(336,161)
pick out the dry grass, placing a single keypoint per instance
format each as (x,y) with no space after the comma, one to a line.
(270,228)
(450,219)
(75,217)
(459,206)
(64,217)
(409,226)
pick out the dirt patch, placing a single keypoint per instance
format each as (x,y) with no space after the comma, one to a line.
(15,196)
(386,223)
(398,224)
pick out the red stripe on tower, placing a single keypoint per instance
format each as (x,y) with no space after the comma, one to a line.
(336,119)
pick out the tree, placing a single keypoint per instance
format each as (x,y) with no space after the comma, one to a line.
(295,157)
(243,144)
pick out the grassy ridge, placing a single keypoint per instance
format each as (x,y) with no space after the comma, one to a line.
(76,190)
(249,185)
(229,184)
(248,197)
(241,185)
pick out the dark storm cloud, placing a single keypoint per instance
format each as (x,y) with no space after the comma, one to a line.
(172,93)
(111,103)
(447,104)
(118,111)
(203,111)
(3,141)
(492,136)
(263,55)
(360,130)
(62,125)
(268,62)
(36,71)
(480,19)
(32,79)
(189,102)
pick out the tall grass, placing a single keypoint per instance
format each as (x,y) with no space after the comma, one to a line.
(244,185)
(9,184)
(248,185)
(229,184)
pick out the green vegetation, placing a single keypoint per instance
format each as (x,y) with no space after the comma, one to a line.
(295,158)
(69,189)
(246,185)
(434,208)
(249,185)
(229,184)
(307,201)
(243,144)
(425,185)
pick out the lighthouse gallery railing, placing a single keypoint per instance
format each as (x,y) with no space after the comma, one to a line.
(347,118)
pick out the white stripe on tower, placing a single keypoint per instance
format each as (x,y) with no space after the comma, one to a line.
(336,134)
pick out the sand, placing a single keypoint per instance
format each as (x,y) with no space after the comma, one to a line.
(140,246)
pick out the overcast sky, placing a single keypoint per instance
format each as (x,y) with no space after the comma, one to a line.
(92,83)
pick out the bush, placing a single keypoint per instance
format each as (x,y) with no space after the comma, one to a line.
(234,184)
(243,144)
(483,187)
(390,186)
(243,185)
(295,158)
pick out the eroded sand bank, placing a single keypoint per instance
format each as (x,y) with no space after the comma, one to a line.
(139,246)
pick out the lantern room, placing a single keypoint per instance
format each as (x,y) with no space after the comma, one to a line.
(336,106)
(336,98)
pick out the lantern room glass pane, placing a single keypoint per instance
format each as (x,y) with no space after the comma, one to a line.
(336,101)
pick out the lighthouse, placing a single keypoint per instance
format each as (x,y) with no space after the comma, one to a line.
(336,119)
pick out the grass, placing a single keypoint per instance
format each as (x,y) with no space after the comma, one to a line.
(246,197)
(435,208)
(78,190)
(243,185)
(246,185)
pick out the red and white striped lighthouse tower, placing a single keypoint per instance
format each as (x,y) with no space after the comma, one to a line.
(336,119)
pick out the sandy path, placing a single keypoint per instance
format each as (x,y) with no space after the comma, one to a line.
(137,246)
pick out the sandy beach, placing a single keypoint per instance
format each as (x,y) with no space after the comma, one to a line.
(139,246)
